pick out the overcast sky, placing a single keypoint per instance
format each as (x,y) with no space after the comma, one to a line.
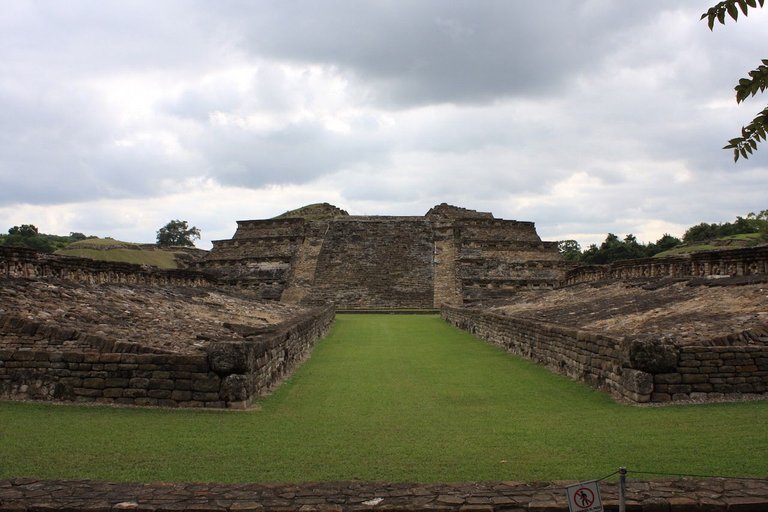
(586,117)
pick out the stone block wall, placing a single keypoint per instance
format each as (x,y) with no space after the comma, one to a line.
(639,370)
(259,255)
(22,262)
(497,257)
(36,363)
(730,262)
(381,262)
(450,255)
(714,372)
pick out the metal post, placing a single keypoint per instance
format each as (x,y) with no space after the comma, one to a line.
(622,489)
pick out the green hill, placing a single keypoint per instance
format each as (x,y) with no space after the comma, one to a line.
(316,211)
(108,249)
(726,242)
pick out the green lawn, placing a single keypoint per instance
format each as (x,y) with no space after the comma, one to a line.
(395,398)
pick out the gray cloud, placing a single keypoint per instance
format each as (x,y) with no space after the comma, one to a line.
(438,51)
(491,104)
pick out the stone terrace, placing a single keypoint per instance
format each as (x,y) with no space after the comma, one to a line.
(171,319)
(691,312)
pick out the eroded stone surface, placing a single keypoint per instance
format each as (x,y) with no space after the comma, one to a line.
(175,319)
(712,494)
(686,314)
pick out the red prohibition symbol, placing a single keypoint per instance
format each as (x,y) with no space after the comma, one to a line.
(583,497)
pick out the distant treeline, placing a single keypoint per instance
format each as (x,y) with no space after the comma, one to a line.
(614,248)
(27,235)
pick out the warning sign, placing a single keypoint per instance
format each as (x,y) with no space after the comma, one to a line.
(584,497)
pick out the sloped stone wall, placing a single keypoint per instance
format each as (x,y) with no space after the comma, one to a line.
(36,363)
(640,369)
(376,263)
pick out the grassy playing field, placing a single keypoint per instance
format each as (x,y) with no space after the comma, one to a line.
(397,398)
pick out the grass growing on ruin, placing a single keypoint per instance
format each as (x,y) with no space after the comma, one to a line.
(397,398)
(107,249)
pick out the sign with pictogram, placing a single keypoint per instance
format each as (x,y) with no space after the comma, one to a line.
(584,497)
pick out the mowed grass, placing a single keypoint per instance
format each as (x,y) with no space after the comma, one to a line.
(394,398)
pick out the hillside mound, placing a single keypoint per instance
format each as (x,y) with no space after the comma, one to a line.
(317,211)
(108,249)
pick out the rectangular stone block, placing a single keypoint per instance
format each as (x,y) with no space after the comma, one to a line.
(113,393)
(183,384)
(110,358)
(693,378)
(87,392)
(181,395)
(116,382)
(72,357)
(145,401)
(205,397)
(208,383)
(161,384)
(139,383)
(668,378)
(93,383)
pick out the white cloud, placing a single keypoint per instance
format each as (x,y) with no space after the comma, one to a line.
(585,117)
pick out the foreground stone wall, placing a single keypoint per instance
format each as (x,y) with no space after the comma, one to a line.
(37,363)
(730,262)
(22,262)
(640,369)
(678,495)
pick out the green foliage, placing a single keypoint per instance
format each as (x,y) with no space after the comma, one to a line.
(395,398)
(569,249)
(757,81)
(177,233)
(752,223)
(27,235)
(25,230)
(615,249)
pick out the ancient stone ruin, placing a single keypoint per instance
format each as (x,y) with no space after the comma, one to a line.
(658,330)
(450,255)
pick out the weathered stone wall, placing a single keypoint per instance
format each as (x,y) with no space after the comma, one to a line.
(496,257)
(640,370)
(41,362)
(259,255)
(714,372)
(21,262)
(373,262)
(451,255)
(730,262)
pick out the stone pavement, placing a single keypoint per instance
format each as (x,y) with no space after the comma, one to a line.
(710,494)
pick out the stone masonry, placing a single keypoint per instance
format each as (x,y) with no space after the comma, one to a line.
(449,256)
(678,495)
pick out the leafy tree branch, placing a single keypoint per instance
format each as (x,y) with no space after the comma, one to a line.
(757,80)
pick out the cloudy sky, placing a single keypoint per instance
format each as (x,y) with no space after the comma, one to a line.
(586,117)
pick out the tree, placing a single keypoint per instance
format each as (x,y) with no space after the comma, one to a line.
(570,249)
(25,230)
(757,130)
(177,232)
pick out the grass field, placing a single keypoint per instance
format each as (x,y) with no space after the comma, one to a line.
(107,249)
(395,398)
